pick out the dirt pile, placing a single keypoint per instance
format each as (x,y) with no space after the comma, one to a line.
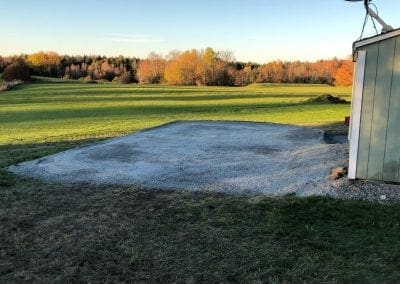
(328,99)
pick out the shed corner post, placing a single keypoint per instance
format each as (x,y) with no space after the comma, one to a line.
(355,116)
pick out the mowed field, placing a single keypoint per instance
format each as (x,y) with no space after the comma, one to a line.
(56,112)
(81,233)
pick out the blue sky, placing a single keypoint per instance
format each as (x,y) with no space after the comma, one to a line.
(255,30)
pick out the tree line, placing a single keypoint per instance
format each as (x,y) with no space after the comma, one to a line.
(191,67)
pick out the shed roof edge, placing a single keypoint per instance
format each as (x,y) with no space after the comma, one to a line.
(377,38)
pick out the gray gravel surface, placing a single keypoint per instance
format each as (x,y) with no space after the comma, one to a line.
(375,191)
(234,157)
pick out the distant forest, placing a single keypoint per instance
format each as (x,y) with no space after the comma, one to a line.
(192,67)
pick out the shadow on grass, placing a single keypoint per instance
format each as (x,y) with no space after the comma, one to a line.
(148,110)
(121,234)
(84,98)
(52,232)
(17,153)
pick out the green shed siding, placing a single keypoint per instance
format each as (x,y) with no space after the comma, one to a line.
(391,164)
(366,110)
(378,147)
(381,109)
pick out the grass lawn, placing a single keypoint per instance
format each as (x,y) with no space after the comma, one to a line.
(58,112)
(50,232)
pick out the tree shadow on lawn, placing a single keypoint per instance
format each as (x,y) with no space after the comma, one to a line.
(24,116)
(84,98)
(82,233)
(52,232)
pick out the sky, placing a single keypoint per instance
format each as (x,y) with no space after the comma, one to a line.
(254,30)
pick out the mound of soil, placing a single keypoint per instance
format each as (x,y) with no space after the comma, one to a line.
(329,99)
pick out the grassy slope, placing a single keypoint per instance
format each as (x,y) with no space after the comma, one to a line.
(49,232)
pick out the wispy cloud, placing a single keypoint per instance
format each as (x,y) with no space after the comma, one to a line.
(134,38)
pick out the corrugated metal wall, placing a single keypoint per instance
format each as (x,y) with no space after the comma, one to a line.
(379,143)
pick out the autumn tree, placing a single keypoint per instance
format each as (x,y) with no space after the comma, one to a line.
(118,69)
(94,70)
(183,69)
(45,63)
(151,70)
(18,70)
(75,71)
(107,71)
(326,69)
(126,77)
(206,68)
(172,74)
(144,72)
(321,72)
(343,76)
(244,73)
(273,72)
(201,67)
(189,62)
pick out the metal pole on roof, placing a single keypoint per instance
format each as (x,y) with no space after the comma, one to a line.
(374,15)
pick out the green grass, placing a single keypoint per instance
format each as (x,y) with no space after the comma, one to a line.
(60,233)
(69,234)
(57,112)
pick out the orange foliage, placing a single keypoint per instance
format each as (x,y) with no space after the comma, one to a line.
(343,76)
(143,72)
(151,70)
(44,62)
(42,58)
(191,67)
(184,69)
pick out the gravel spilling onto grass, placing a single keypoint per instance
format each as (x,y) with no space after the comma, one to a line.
(233,157)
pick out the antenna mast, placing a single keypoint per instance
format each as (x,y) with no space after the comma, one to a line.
(374,15)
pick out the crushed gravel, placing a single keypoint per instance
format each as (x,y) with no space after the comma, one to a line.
(374,191)
(233,157)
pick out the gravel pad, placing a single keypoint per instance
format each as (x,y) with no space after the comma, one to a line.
(234,157)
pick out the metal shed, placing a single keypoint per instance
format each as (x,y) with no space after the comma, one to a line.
(375,113)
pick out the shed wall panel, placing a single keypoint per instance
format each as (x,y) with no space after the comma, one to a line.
(392,152)
(366,110)
(380,109)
